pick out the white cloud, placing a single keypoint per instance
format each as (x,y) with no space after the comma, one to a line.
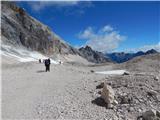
(67,7)
(104,40)
(39,5)
(107,28)
(87,33)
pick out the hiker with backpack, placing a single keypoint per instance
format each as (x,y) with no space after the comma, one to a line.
(47,64)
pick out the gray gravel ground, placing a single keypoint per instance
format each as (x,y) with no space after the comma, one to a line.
(69,91)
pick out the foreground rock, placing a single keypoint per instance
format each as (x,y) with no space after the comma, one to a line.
(150,115)
(108,95)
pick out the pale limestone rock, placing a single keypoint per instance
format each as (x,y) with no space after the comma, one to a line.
(108,95)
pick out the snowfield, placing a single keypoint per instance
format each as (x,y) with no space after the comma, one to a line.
(112,72)
(22,54)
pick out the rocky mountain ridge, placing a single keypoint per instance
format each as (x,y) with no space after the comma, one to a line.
(20,29)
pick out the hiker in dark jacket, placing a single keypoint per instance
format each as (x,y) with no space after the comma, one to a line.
(47,64)
(39,60)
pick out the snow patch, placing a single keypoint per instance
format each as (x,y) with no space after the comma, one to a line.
(111,72)
(22,54)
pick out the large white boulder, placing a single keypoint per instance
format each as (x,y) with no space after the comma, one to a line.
(108,95)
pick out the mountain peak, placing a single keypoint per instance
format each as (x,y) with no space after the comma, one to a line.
(93,56)
(152,51)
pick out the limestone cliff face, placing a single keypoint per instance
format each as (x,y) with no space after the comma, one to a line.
(18,28)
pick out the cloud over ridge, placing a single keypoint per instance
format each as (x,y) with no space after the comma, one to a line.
(106,39)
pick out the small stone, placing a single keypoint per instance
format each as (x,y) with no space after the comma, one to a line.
(110,106)
(92,71)
(141,88)
(131,109)
(115,102)
(100,86)
(152,93)
(114,118)
(126,99)
(110,84)
(156,78)
(140,118)
(126,73)
(139,110)
(99,92)
(90,91)
(149,115)
(158,114)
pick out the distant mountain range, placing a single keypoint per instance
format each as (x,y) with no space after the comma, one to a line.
(121,57)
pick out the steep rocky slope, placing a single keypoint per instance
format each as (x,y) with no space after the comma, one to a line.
(20,29)
(93,56)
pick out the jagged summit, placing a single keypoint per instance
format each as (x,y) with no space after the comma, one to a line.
(93,56)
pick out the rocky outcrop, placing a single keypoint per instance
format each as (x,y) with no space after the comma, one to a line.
(93,56)
(20,29)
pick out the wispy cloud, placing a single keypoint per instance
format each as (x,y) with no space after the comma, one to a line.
(69,8)
(106,39)
(40,5)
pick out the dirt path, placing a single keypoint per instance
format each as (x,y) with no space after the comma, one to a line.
(29,92)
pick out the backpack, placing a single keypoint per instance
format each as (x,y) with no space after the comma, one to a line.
(47,62)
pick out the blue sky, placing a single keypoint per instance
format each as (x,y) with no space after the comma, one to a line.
(105,26)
